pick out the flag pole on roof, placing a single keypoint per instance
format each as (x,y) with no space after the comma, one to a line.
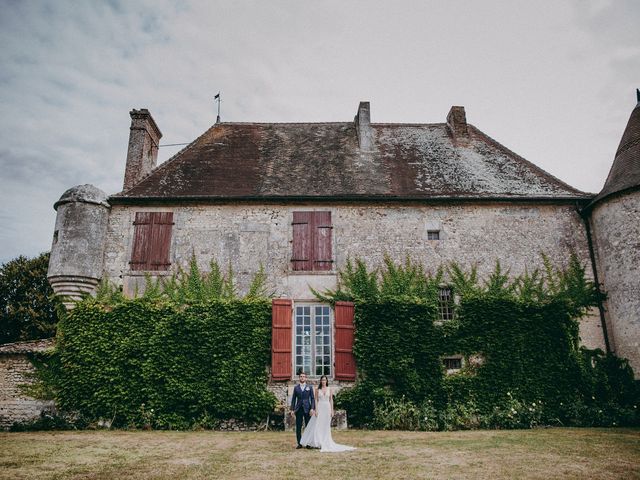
(217,98)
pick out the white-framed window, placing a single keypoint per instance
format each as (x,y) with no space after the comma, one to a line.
(446,303)
(313,339)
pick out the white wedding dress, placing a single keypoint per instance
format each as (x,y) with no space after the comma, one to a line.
(317,433)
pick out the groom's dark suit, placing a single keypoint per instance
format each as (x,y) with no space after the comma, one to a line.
(302,402)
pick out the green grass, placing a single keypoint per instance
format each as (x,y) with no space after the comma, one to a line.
(524,454)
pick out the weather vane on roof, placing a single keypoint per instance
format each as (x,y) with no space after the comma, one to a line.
(217,98)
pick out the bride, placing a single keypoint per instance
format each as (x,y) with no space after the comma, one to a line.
(318,433)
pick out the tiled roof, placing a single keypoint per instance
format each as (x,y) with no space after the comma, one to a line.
(625,171)
(323,160)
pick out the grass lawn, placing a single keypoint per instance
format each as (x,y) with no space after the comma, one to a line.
(556,453)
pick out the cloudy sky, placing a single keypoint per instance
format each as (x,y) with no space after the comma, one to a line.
(553,80)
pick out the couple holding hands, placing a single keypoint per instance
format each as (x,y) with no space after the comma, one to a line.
(316,411)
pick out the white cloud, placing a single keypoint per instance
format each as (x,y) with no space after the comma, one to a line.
(551,81)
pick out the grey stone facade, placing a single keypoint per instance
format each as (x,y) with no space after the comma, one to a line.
(247,235)
(234,189)
(616,227)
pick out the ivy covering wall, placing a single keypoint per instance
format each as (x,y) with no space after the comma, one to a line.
(187,353)
(518,337)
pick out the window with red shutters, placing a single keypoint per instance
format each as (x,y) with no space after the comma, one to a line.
(345,362)
(281,311)
(151,241)
(312,241)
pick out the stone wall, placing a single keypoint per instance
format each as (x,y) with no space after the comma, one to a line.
(245,235)
(616,232)
(15,371)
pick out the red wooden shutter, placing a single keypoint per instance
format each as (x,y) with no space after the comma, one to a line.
(302,241)
(322,258)
(151,241)
(141,237)
(281,339)
(160,241)
(345,361)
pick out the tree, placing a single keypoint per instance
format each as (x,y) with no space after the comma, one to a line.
(28,307)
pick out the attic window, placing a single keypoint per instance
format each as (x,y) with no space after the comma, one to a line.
(433,234)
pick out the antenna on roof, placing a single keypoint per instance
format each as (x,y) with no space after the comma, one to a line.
(638,94)
(217,98)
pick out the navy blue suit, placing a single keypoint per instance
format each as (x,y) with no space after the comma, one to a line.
(302,402)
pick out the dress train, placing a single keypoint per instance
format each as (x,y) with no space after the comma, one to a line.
(317,433)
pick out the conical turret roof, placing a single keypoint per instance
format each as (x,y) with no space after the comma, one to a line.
(625,171)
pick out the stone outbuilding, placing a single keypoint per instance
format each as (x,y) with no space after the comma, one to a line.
(16,372)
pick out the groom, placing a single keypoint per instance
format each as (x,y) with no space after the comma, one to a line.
(303,404)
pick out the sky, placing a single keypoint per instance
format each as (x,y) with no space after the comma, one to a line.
(553,80)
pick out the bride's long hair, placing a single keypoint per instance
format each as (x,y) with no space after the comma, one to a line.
(320,382)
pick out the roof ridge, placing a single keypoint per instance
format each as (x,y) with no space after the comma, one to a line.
(373,124)
(285,123)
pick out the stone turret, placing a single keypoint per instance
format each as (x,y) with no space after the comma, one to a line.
(615,220)
(75,265)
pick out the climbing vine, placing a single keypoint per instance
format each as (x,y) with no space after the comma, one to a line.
(187,352)
(517,337)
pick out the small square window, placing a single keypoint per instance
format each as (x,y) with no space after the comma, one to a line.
(433,234)
(452,363)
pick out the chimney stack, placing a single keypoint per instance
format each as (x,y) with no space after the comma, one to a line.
(457,122)
(142,154)
(363,126)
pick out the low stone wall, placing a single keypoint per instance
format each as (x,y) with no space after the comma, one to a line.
(15,372)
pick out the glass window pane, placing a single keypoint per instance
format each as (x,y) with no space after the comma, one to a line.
(327,350)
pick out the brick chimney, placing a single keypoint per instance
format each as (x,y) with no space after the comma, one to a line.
(363,126)
(142,154)
(457,122)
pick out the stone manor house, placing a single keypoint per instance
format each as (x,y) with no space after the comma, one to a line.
(302,198)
